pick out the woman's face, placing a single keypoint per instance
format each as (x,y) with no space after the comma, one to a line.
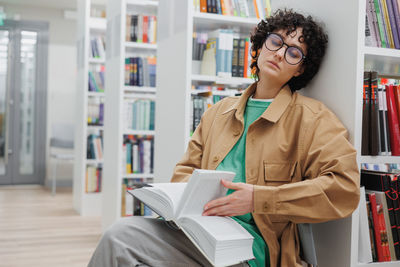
(272,64)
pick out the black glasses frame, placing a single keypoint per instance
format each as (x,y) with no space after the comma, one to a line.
(287,47)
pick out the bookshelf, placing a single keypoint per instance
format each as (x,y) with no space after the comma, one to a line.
(338,85)
(89,26)
(117,95)
(174,95)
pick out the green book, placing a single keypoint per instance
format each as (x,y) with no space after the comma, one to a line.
(380,23)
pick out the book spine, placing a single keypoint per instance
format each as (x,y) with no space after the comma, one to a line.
(246,59)
(241,56)
(256,9)
(386,25)
(396,91)
(375,23)
(387,130)
(223,8)
(219,8)
(393,121)
(235,59)
(379,19)
(377,227)
(140,29)
(384,236)
(140,71)
(370,23)
(382,131)
(203,6)
(392,23)
(396,14)
(371,230)
(365,116)
(145,29)
(374,123)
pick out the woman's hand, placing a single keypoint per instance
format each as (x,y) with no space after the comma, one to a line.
(238,203)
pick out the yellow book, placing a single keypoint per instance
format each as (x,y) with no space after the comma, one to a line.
(268,8)
(387,22)
(123,201)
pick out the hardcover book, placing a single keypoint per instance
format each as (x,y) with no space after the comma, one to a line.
(222,240)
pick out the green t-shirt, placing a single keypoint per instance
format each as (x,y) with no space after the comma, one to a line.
(234,161)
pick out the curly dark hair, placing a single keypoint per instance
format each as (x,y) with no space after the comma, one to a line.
(313,36)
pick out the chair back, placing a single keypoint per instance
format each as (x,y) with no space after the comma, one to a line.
(62,135)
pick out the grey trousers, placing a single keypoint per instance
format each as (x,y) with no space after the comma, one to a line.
(138,241)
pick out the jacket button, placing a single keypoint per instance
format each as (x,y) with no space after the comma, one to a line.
(236,133)
(215,159)
(265,206)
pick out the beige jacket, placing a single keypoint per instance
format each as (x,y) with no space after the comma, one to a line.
(298,157)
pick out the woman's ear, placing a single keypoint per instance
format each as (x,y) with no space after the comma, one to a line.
(299,72)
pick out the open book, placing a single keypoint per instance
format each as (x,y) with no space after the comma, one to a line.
(221,239)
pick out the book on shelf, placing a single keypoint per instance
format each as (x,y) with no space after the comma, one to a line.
(365,116)
(382,248)
(93,179)
(231,53)
(365,250)
(96,78)
(393,120)
(385,186)
(95,111)
(132,206)
(391,228)
(236,8)
(139,114)
(380,120)
(141,28)
(95,146)
(140,71)
(97,49)
(383,23)
(138,154)
(371,35)
(222,240)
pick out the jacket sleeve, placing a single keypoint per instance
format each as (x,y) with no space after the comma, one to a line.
(191,159)
(330,186)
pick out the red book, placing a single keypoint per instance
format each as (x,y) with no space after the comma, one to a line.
(396,90)
(377,227)
(384,236)
(393,121)
(145,29)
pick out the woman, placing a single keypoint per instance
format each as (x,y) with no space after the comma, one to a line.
(291,157)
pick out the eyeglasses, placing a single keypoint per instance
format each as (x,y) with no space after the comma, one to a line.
(293,54)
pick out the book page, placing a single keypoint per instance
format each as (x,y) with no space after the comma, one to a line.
(203,186)
(162,198)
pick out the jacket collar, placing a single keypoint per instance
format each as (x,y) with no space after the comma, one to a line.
(272,113)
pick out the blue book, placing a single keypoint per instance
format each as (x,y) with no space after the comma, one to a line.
(140,71)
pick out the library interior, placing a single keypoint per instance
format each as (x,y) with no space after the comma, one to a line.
(117,98)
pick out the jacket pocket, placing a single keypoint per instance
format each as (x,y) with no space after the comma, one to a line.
(281,172)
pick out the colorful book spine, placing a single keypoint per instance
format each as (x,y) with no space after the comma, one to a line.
(393,121)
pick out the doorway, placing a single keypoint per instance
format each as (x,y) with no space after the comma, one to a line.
(23,87)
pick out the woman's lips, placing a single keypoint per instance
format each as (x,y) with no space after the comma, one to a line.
(274,64)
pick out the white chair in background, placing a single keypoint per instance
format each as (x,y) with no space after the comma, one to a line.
(61,147)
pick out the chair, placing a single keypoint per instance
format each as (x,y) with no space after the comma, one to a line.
(61,146)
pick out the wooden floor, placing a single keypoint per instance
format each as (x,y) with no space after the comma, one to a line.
(39,230)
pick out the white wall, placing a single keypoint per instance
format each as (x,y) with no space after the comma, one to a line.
(61,90)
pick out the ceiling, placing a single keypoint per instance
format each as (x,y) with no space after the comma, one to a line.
(58,4)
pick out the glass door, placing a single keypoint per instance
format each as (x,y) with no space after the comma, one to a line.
(23,70)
